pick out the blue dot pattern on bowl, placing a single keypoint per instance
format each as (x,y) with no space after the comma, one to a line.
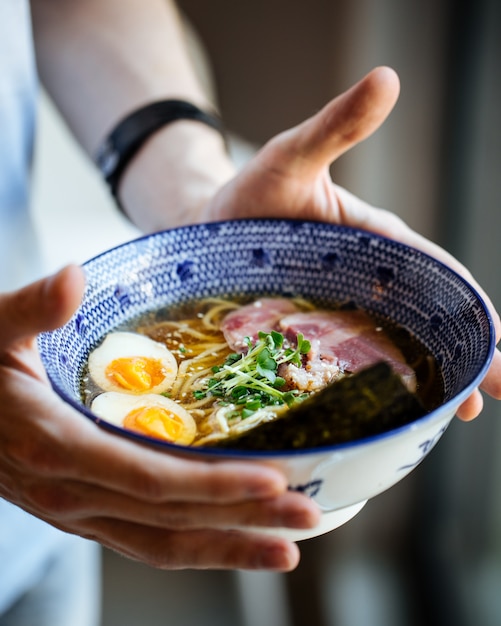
(322,262)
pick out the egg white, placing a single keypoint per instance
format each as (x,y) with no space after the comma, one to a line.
(113,407)
(119,345)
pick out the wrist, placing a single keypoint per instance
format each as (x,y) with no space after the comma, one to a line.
(174,175)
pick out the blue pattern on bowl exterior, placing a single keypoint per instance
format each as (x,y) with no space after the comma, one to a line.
(322,262)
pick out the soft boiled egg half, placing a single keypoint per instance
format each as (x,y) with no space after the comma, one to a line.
(148,414)
(132,363)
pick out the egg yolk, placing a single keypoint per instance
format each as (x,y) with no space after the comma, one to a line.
(155,421)
(136,373)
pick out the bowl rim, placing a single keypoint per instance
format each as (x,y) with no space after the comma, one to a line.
(439,414)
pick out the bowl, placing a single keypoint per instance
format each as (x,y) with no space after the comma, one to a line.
(324,263)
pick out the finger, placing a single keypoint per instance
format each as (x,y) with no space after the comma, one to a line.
(492,382)
(471,407)
(344,122)
(67,501)
(198,549)
(155,476)
(43,305)
(63,443)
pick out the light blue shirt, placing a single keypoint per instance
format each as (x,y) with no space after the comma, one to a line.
(18,247)
(26,543)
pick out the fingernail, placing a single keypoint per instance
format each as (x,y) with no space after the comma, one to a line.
(279,557)
(267,488)
(299,518)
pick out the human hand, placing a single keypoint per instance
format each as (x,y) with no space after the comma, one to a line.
(164,510)
(289,177)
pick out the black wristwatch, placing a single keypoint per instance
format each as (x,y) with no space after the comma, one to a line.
(131,132)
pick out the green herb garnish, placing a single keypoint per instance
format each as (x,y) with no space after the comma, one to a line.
(250,380)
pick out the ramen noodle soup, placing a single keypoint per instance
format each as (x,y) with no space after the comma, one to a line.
(208,371)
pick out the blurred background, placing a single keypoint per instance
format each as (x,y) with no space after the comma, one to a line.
(429,550)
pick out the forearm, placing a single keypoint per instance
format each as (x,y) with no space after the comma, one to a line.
(101,59)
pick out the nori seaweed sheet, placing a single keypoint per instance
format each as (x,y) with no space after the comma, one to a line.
(370,402)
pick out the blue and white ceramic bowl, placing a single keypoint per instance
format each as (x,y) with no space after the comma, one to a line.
(318,261)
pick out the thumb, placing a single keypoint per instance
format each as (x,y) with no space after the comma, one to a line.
(43,305)
(345,121)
